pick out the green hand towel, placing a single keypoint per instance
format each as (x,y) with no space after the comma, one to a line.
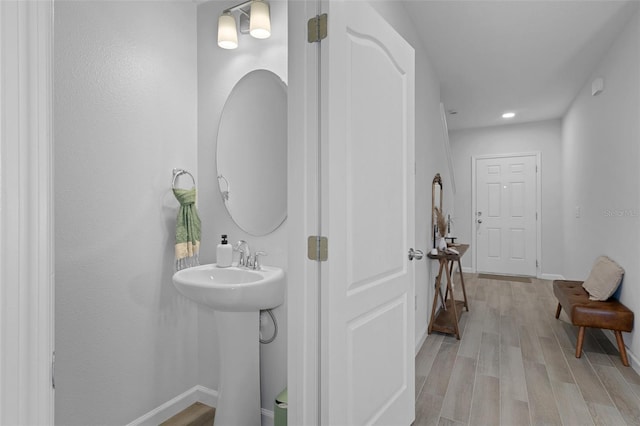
(187,229)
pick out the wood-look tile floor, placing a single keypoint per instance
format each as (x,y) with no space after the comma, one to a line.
(515,364)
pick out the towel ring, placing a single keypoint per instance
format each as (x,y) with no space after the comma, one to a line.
(178,172)
(225,193)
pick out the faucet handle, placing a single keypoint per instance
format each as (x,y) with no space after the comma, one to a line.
(256,259)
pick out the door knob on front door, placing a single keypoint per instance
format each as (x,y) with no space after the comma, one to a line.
(479,220)
(415,254)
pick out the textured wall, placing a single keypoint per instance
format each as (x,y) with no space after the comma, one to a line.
(125,115)
(601,138)
(218,72)
(430,156)
(543,137)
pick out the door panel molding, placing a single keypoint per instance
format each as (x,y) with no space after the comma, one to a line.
(538,232)
(382,383)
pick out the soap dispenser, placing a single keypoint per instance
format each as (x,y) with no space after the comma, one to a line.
(224,253)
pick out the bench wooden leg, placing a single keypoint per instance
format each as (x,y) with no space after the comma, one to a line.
(580,342)
(622,349)
(558,311)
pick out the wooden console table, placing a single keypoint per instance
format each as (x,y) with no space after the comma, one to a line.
(446,319)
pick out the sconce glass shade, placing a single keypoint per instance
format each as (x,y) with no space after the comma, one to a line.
(260,23)
(227,33)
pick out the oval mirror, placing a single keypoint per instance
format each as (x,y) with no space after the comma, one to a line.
(252,153)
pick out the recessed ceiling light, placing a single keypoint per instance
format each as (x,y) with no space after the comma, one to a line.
(508,115)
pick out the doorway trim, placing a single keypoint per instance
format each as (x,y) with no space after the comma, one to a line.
(303,219)
(26,213)
(474,209)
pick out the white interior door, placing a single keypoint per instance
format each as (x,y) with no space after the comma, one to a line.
(367,284)
(506,214)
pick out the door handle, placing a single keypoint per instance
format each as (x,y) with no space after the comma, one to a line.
(415,254)
(479,220)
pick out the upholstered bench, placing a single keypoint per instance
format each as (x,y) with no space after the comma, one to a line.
(609,314)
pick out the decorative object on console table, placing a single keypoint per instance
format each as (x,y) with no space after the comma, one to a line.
(435,233)
(442,244)
(450,238)
(441,223)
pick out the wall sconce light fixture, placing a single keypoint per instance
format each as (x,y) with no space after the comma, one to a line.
(256,11)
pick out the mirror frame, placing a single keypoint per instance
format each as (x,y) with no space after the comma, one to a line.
(437,180)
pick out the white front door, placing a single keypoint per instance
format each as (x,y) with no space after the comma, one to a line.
(506,214)
(367,284)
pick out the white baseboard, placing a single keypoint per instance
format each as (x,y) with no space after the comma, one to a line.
(420,340)
(551,277)
(195,394)
(634,361)
(177,404)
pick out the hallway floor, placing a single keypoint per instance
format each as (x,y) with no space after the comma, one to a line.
(515,365)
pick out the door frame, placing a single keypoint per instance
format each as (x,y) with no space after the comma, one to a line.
(26,229)
(474,160)
(303,218)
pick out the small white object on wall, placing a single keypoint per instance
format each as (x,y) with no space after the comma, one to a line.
(597,86)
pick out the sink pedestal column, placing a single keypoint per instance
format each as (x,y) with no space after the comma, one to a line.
(239,389)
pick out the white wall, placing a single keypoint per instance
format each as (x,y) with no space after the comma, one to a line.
(430,155)
(600,171)
(543,137)
(125,116)
(218,71)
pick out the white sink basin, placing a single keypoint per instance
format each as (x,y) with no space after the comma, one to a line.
(232,289)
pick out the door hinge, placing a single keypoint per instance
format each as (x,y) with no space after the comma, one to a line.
(53,370)
(317,28)
(317,248)
(537,264)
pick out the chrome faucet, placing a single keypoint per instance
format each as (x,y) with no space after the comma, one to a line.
(242,247)
(247,260)
(254,261)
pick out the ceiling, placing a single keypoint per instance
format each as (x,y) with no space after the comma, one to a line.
(530,57)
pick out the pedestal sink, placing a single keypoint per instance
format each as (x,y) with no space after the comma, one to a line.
(237,295)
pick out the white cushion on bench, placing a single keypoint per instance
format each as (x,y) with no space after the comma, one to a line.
(604,279)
